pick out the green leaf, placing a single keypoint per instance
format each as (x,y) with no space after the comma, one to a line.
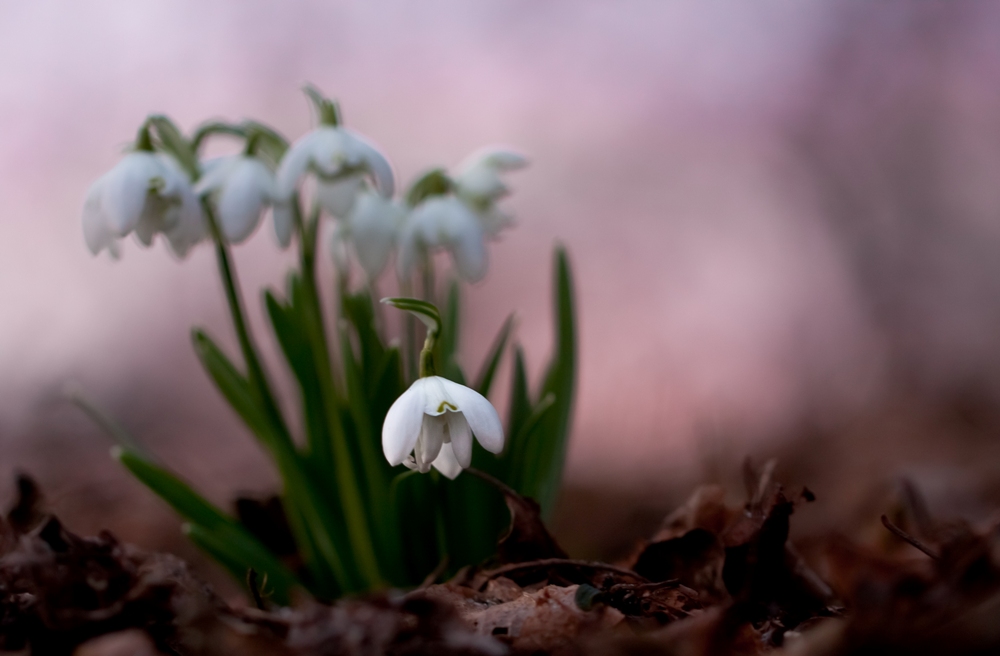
(448,340)
(179,495)
(358,311)
(426,312)
(234,544)
(520,403)
(172,141)
(484,381)
(294,343)
(550,454)
(238,551)
(234,386)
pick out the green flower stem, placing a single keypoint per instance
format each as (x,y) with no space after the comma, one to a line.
(359,532)
(429,286)
(255,371)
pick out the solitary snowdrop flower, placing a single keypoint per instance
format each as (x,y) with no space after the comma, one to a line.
(444,221)
(372,225)
(145,193)
(242,187)
(432,424)
(478,179)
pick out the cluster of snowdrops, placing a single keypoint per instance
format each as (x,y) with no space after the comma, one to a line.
(358,523)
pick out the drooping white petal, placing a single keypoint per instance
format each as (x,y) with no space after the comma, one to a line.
(479,176)
(494,220)
(460,437)
(374,161)
(481,182)
(125,188)
(461,231)
(337,197)
(432,435)
(281,216)
(190,228)
(175,178)
(243,198)
(96,232)
(403,423)
(294,165)
(468,252)
(497,158)
(214,173)
(330,152)
(447,463)
(480,413)
(373,224)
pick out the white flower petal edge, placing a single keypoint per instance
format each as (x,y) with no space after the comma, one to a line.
(480,414)
(447,463)
(444,221)
(144,194)
(435,420)
(402,424)
(294,165)
(372,225)
(375,162)
(330,151)
(127,187)
(96,232)
(478,177)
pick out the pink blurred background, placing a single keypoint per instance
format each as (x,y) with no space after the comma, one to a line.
(784,220)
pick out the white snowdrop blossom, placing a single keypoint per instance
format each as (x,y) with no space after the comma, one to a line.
(341,160)
(478,179)
(444,222)
(242,187)
(372,226)
(145,193)
(432,424)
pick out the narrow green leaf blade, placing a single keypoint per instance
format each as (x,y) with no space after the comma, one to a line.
(484,381)
(561,382)
(188,503)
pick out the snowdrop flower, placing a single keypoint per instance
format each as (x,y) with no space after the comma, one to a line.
(145,193)
(242,186)
(478,179)
(432,424)
(447,222)
(341,160)
(372,225)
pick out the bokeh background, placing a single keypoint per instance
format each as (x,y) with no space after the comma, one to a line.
(784,220)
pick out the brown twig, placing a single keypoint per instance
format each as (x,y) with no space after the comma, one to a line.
(553,562)
(909,539)
(435,574)
(492,480)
